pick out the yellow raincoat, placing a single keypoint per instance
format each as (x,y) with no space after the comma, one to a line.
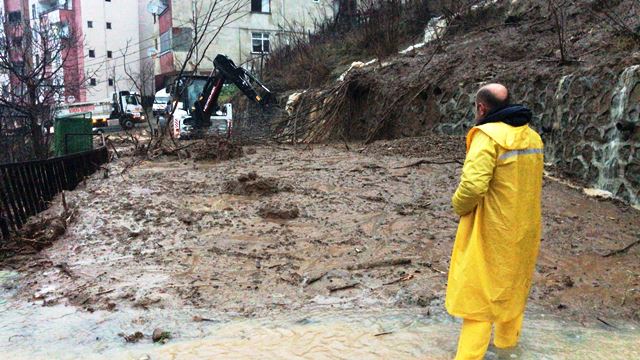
(498,237)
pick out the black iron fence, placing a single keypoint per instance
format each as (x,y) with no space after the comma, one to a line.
(26,188)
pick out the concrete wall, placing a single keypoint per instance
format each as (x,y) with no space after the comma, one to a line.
(146,32)
(589,121)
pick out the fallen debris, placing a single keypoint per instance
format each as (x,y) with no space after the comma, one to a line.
(64,268)
(198,318)
(160,336)
(623,250)
(313,277)
(132,338)
(253,184)
(432,146)
(380,263)
(433,162)
(606,323)
(282,212)
(342,287)
(383,333)
(404,278)
(215,148)
(43,229)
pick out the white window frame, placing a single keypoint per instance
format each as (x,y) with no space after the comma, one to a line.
(263,37)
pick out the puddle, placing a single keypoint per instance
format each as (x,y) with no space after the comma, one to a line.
(59,332)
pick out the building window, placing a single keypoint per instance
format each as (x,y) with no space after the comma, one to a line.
(15,17)
(261,6)
(260,42)
(108,25)
(93,82)
(165,41)
(109,54)
(92,53)
(90,24)
(181,39)
(110,82)
(34,14)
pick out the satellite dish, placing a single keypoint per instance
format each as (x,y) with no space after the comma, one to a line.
(152,8)
(70,99)
(156,7)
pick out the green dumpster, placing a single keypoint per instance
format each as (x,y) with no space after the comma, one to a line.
(72,134)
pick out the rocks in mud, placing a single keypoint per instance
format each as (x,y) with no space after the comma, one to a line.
(253,184)
(189,217)
(567,281)
(279,211)
(215,148)
(132,338)
(160,336)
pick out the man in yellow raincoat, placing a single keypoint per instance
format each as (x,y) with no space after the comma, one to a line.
(498,200)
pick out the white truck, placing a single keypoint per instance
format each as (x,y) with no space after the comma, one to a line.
(124,109)
(160,101)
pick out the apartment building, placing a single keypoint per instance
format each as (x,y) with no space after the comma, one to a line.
(250,32)
(112,42)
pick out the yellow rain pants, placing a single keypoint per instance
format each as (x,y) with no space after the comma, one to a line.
(498,237)
(475,336)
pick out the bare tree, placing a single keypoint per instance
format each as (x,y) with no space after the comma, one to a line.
(622,16)
(558,13)
(143,82)
(207,19)
(33,58)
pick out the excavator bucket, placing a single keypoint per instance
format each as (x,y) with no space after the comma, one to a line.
(240,77)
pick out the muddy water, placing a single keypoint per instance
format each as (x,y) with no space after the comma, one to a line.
(29,331)
(165,244)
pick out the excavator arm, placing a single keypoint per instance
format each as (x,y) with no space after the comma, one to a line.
(225,72)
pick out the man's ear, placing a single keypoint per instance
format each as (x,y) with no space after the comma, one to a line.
(481,109)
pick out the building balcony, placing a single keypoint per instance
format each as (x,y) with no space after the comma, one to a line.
(47,6)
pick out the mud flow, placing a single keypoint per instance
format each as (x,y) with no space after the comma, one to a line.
(313,253)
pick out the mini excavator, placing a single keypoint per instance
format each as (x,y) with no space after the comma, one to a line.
(196,97)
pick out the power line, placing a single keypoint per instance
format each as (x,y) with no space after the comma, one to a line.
(187,22)
(167,50)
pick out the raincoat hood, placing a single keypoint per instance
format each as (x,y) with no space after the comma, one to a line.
(507,127)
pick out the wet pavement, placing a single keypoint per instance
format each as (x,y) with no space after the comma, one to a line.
(365,250)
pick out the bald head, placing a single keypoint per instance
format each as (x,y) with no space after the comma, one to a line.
(489,98)
(493,96)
